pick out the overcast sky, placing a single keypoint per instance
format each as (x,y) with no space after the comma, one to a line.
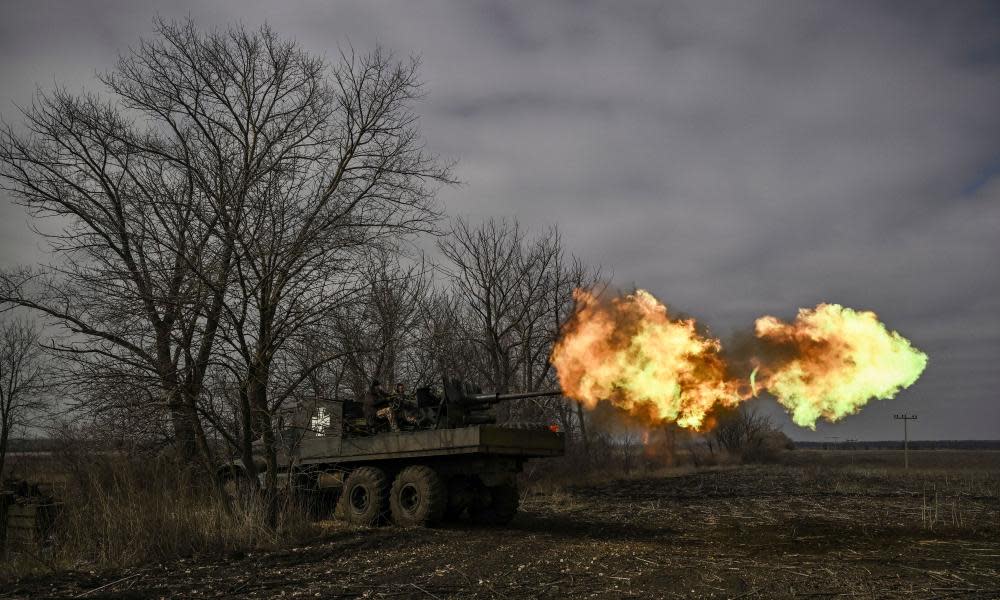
(735,159)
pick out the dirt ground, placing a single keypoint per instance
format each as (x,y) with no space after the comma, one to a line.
(825,525)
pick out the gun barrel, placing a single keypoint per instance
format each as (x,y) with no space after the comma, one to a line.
(496,398)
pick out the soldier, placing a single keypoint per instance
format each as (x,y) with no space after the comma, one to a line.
(378,406)
(406,406)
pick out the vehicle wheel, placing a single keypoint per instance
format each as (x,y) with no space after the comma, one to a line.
(364,499)
(418,497)
(502,506)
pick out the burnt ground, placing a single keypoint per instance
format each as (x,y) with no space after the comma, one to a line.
(792,531)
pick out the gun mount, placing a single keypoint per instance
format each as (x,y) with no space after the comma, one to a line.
(467,405)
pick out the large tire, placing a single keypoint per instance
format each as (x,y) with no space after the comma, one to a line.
(502,507)
(364,499)
(418,497)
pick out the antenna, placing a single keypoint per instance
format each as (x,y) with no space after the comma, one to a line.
(906,437)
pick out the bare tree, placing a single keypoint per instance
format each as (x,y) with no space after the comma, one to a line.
(441,347)
(127,234)
(513,294)
(555,304)
(225,183)
(245,109)
(381,335)
(502,278)
(747,433)
(147,186)
(22,379)
(310,227)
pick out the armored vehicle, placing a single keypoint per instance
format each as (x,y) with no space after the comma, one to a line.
(444,457)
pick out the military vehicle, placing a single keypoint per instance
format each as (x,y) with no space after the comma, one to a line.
(447,460)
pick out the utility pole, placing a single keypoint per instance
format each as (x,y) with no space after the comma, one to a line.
(906,437)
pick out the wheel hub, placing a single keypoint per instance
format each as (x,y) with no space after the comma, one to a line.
(359,498)
(409,498)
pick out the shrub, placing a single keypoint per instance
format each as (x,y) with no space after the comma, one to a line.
(746,433)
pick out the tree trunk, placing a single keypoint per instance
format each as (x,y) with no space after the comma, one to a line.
(184,436)
(258,402)
(246,439)
(4,433)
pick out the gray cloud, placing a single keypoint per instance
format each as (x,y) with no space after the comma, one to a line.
(735,159)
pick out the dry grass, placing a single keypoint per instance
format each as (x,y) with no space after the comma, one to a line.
(117,512)
(948,492)
(614,463)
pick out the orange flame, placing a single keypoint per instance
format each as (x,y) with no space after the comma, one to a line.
(827,364)
(629,351)
(832,360)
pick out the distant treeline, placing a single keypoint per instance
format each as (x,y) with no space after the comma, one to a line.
(898,445)
(31,445)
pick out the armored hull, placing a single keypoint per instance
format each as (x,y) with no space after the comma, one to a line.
(453,462)
(482,440)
